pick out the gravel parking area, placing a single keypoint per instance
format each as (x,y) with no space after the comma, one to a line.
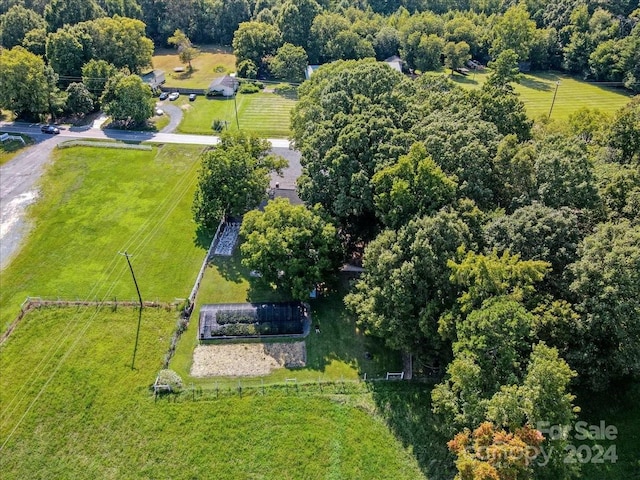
(246,359)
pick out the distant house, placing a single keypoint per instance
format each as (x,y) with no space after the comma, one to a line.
(154,79)
(225,86)
(309,71)
(395,62)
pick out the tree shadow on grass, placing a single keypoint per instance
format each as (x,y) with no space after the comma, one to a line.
(230,268)
(203,237)
(406,408)
(536,84)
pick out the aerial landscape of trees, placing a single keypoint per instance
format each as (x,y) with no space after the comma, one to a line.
(499,253)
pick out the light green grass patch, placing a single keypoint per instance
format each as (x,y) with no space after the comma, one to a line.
(98,202)
(266,114)
(96,417)
(213,62)
(537,90)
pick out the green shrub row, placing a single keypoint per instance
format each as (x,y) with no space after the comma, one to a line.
(223,318)
(266,328)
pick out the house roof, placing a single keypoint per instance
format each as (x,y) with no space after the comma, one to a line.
(224,82)
(154,77)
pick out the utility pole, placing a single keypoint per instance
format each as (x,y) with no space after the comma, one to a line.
(554,99)
(236,108)
(126,255)
(135,348)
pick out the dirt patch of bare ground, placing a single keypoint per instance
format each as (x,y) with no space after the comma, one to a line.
(246,359)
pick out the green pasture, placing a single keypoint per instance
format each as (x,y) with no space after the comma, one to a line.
(537,90)
(72,407)
(213,61)
(266,114)
(95,203)
(335,354)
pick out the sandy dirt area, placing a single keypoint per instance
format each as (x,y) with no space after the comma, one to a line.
(246,359)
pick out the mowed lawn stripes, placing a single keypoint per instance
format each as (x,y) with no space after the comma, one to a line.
(266,113)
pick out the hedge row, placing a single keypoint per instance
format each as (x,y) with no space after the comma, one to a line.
(123,146)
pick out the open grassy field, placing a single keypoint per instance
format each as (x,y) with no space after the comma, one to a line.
(97,202)
(266,114)
(213,62)
(71,407)
(537,89)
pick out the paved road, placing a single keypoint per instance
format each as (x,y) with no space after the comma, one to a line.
(93,133)
(19,177)
(175,116)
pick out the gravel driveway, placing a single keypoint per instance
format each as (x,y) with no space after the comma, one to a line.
(18,189)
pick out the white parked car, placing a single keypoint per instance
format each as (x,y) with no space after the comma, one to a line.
(174,96)
(159,112)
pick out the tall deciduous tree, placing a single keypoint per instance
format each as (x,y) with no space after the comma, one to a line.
(289,63)
(405,286)
(415,186)
(537,232)
(514,31)
(607,283)
(295,19)
(234,178)
(254,41)
(186,51)
(96,74)
(347,125)
(128,100)
(456,55)
(294,248)
(16,23)
(25,86)
(59,13)
(79,100)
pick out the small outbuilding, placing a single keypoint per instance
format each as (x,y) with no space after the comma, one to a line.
(225,86)
(154,79)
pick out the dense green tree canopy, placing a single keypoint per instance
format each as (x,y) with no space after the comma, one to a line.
(347,126)
(128,100)
(24,84)
(607,284)
(294,248)
(254,41)
(234,178)
(537,232)
(59,13)
(79,99)
(16,23)
(289,63)
(96,74)
(406,287)
(415,186)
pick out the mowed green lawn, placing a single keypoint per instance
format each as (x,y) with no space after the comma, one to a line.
(336,354)
(537,90)
(213,62)
(266,114)
(95,203)
(72,407)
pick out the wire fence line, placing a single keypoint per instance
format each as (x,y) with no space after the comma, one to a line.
(253,387)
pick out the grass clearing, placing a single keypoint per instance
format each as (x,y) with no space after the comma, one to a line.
(96,202)
(97,418)
(266,114)
(337,353)
(537,89)
(11,148)
(213,62)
